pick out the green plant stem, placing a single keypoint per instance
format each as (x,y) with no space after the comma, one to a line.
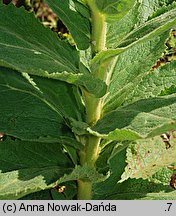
(88,159)
(84,190)
(93,108)
(98,34)
(93,105)
(89,155)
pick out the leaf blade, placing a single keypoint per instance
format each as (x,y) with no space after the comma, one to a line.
(142,119)
(40,52)
(17,119)
(30,167)
(42,47)
(114,10)
(131,65)
(66,11)
(134,19)
(155,82)
(146,157)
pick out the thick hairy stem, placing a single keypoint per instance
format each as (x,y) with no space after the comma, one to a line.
(93,105)
(89,155)
(98,34)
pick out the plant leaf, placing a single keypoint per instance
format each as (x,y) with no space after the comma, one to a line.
(114,9)
(82,172)
(142,119)
(31,48)
(82,8)
(92,84)
(24,112)
(134,19)
(27,167)
(61,95)
(40,195)
(102,162)
(148,27)
(72,152)
(116,163)
(130,189)
(139,189)
(78,25)
(155,82)
(132,65)
(148,156)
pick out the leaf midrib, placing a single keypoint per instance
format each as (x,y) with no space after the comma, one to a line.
(43,49)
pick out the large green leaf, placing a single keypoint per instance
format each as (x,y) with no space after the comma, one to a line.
(31,48)
(26,113)
(136,20)
(27,167)
(78,25)
(146,157)
(149,27)
(131,65)
(142,119)
(155,82)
